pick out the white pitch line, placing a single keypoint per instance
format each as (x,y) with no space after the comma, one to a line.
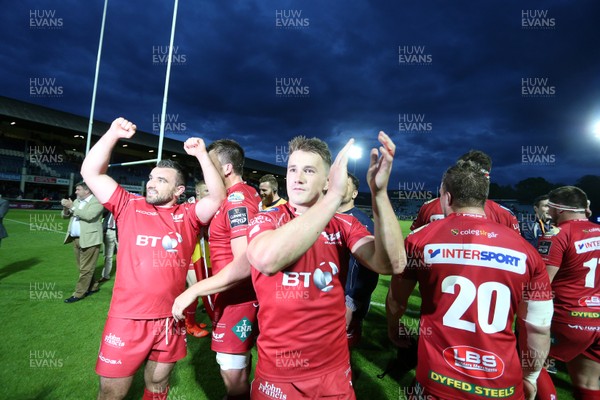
(39,228)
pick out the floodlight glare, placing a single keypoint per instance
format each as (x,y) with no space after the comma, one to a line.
(355,152)
(596,129)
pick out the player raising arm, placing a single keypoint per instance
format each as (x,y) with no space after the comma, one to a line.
(103,186)
(300,257)
(157,240)
(274,250)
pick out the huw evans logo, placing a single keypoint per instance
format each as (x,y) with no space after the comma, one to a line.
(45,87)
(44,19)
(291,19)
(412,123)
(173,123)
(160,55)
(291,87)
(537,87)
(413,191)
(537,19)
(414,55)
(537,155)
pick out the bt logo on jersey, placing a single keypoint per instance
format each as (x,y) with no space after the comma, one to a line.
(322,278)
(291,278)
(169,242)
(144,240)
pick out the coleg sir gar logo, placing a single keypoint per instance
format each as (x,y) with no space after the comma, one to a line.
(323,279)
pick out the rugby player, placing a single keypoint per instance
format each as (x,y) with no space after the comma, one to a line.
(157,239)
(572,256)
(474,275)
(235,302)
(543,221)
(299,254)
(268,188)
(361,281)
(432,210)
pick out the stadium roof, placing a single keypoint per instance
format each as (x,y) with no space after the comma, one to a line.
(35,119)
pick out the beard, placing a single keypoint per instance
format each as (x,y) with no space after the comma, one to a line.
(159,199)
(267,199)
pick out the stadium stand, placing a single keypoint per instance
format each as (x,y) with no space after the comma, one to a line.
(41,151)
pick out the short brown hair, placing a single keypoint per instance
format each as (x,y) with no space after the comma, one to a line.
(271,180)
(180,175)
(467,184)
(539,199)
(313,145)
(478,157)
(229,152)
(570,196)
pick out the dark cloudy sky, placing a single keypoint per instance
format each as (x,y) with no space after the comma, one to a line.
(517,79)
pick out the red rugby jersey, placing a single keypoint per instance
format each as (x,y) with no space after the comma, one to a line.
(574,247)
(432,211)
(155,247)
(472,274)
(230,222)
(301,317)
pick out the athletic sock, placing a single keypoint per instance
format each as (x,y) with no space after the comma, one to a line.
(190,313)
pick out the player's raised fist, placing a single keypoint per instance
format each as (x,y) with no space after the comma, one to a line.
(123,128)
(194,146)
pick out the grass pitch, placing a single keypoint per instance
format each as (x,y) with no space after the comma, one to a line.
(49,348)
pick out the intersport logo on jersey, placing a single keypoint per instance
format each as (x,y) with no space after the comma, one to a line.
(477,255)
(586,245)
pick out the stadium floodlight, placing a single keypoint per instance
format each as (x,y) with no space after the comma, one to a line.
(355,153)
(596,129)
